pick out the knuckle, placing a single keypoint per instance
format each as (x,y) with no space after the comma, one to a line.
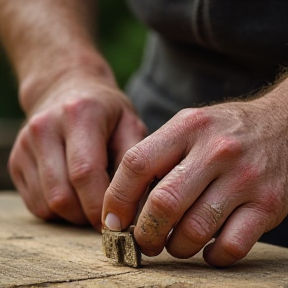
(195,230)
(203,223)
(77,106)
(136,161)
(116,194)
(74,105)
(81,171)
(57,199)
(38,124)
(195,117)
(226,147)
(166,202)
(211,214)
(49,177)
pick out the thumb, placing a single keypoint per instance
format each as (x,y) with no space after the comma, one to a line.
(129,131)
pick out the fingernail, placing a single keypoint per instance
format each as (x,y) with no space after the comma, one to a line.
(112,222)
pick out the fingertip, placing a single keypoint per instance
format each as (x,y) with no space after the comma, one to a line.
(112,222)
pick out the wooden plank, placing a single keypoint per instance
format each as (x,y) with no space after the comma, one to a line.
(34,253)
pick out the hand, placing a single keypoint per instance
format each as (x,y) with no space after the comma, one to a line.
(223,169)
(79,128)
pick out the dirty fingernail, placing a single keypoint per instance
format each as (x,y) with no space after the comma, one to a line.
(112,222)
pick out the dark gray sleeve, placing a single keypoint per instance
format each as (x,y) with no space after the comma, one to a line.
(253,30)
(173,77)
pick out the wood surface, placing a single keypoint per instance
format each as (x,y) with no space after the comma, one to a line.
(34,253)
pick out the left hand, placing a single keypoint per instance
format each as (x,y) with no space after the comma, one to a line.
(222,167)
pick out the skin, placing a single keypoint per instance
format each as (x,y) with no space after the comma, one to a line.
(79,124)
(222,166)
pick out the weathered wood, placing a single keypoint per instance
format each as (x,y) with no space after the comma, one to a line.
(34,253)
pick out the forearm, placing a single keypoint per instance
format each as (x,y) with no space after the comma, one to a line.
(47,39)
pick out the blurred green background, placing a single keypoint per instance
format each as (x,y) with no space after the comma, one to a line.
(121,39)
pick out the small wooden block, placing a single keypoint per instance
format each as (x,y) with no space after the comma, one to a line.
(122,247)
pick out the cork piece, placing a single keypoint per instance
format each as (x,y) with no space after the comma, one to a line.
(122,247)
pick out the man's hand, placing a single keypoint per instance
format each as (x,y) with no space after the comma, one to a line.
(79,124)
(80,128)
(223,169)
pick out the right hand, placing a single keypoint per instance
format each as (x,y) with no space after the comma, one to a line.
(78,129)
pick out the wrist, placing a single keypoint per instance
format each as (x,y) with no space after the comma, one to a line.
(40,78)
(269,111)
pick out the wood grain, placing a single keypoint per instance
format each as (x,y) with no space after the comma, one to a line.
(34,253)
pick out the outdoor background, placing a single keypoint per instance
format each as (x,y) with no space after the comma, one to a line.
(121,40)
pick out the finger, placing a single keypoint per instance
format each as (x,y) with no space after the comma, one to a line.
(23,170)
(156,156)
(86,138)
(204,218)
(50,154)
(213,207)
(168,202)
(139,166)
(242,230)
(179,189)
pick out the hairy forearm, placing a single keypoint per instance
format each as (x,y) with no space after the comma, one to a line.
(46,39)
